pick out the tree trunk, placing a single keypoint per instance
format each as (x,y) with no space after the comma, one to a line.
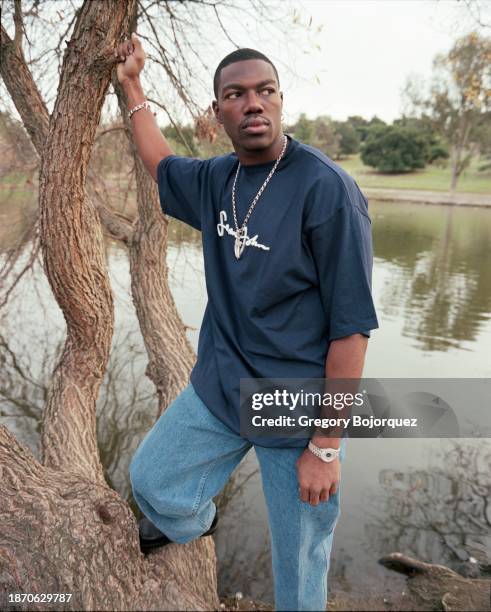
(63,529)
(62,533)
(72,242)
(170,354)
(454,167)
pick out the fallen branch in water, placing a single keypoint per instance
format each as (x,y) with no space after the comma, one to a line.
(437,587)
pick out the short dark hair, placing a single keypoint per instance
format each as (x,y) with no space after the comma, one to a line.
(240,55)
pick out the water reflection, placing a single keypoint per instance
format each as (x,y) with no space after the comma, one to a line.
(438,277)
(441,512)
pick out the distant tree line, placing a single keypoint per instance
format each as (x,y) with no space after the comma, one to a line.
(404,146)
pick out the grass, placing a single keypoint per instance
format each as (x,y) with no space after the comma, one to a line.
(431,178)
(14,189)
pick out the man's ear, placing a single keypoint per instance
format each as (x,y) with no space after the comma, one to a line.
(216,110)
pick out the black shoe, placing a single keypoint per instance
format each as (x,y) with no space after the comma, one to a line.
(151,537)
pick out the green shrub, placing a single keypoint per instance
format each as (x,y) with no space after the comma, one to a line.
(438,151)
(393,149)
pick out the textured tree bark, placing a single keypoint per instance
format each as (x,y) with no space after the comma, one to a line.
(62,529)
(72,241)
(61,533)
(170,354)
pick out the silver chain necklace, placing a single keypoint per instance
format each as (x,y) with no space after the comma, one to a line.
(241,233)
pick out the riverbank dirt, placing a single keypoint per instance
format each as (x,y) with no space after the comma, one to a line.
(337,603)
(429,587)
(428,197)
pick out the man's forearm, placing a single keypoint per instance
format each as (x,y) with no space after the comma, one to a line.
(345,359)
(149,140)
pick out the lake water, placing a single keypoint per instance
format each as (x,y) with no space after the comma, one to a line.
(432,290)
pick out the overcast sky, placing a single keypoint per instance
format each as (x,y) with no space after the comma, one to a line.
(367,50)
(353,60)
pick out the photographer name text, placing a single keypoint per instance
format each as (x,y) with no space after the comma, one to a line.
(325,423)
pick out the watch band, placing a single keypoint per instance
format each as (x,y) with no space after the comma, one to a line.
(326,454)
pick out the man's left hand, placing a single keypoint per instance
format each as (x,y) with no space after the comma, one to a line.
(317,479)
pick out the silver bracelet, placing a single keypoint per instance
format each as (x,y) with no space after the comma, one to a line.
(138,107)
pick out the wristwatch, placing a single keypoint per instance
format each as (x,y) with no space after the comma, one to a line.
(326,454)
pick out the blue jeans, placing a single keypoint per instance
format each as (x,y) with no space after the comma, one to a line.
(187,458)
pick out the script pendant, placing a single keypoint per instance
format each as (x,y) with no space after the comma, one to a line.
(239,244)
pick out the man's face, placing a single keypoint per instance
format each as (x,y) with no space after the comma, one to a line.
(249,104)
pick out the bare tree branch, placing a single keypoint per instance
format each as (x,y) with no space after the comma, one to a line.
(19,27)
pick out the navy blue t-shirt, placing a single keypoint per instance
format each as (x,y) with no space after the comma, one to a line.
(303,280)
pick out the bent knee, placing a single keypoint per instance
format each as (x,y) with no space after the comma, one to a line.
(161,491)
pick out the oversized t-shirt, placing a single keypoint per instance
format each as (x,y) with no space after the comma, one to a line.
(303,280)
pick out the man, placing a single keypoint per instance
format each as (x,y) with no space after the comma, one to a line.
(288,255)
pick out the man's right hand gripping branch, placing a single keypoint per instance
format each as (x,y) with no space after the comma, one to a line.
(149,140)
